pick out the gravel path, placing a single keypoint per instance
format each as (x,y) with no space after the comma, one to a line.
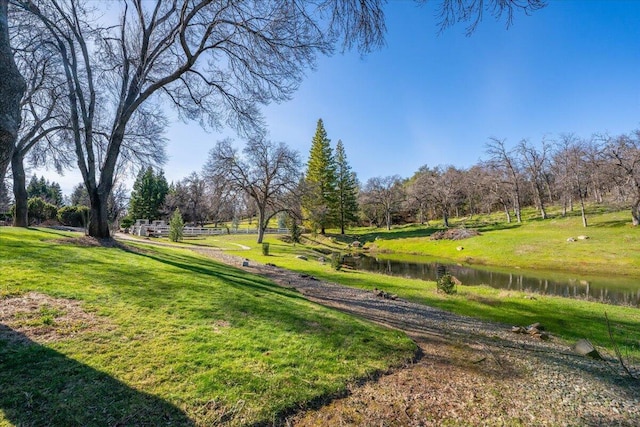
(469,372)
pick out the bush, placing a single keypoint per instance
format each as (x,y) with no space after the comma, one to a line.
(73,216)
(127,222)
(336,261)
(295,231)
(39,210)
(176,226)
(265,249)
(446,284)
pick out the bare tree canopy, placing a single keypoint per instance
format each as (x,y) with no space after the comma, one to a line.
(12,87)
(269,173)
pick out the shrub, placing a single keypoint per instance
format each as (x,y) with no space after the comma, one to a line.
(446,284)
(336,261)
(176,226)
(295,231)
(127,222)
(73,216)
(39,210)
(265,249)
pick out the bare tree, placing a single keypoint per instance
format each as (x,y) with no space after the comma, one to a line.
(216,62)
(472,12)
(386,194)
(43,119)
(506,166)
(624,151)
(535,165)
(12,87)
(268,173)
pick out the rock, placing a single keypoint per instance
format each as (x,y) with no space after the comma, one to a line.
(583,237)
(544,336)
(356,244)
(245,263)
(518,329)
(571,239)
(460,248)
(302,257)
(584,348)
(536,325)
(322,259)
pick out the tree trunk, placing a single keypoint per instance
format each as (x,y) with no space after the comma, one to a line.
(445,218)
(261,224)
(12,87)
(21,217)
(635,212)
(584,216)
(507,213)
(99,214)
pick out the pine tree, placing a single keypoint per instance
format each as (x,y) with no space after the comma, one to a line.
(320,200)
(147,197)
(176,226)
(346,189)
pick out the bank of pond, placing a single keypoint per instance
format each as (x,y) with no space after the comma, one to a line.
(618,290)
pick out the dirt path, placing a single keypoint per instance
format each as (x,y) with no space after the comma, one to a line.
(469,372)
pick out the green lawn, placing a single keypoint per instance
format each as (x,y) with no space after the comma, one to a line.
(176,340)
(613,246)
(565,318)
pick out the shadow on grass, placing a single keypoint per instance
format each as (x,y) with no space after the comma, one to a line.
(41,386)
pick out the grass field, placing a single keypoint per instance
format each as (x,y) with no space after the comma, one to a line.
(161,336)
(613,248)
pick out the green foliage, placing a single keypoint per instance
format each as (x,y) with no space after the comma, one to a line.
(80,196)
(50,192)
(73,216)
(126,222)
(40,211)
(346,190)
(295,231)
(446,284)
(148,195)
(176,226)
(336,261)
(265,249)
(319,201)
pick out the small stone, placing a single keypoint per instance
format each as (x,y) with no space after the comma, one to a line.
(302,257)
(571,239)
(245,263)
(584,348)
(322,259)
(356,244)
(537,325)
(583,237)
(460,248)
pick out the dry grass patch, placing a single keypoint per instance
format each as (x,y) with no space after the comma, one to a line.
(42,318)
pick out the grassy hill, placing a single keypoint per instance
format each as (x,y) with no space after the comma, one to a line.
(133,335)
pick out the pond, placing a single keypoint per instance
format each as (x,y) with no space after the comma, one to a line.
(620,291)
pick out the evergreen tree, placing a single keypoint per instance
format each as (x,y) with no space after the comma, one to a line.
(147,197)
(176,226)
(346,189)
(50,192)
(320,202)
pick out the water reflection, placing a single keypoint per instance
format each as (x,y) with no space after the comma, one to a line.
(597,289)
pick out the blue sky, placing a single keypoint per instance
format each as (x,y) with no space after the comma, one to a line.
(435,99)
